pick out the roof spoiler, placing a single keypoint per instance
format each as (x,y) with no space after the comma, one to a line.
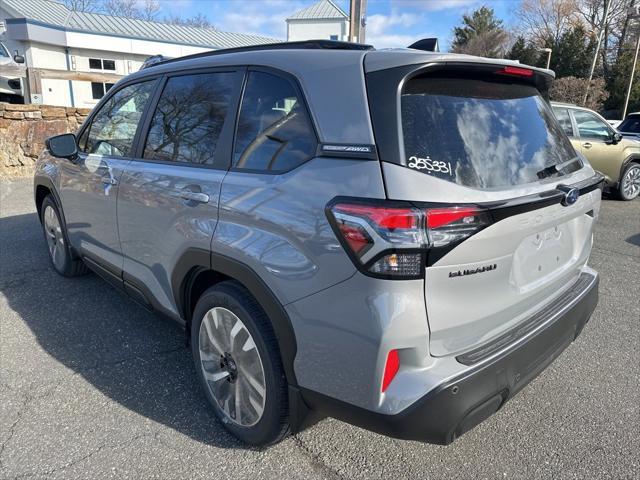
(426,44)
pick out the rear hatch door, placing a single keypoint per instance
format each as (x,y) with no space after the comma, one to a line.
(488,139)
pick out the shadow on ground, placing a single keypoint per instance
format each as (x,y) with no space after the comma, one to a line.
(134,357)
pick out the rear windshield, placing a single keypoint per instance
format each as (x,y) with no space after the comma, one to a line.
(631,124)
(482,134)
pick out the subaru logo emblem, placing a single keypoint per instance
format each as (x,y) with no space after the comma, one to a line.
(571,195)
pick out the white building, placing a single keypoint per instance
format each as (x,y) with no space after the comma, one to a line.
(322,20)
(66,51)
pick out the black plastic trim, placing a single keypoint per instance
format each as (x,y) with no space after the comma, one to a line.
(195,261)
(457,405)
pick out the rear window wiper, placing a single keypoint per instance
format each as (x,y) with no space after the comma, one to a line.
(548,172)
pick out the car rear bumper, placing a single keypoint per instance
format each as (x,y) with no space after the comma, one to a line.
(460,403)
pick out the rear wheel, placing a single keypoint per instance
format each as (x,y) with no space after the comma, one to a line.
(56,237)
(238,363)
(630,182)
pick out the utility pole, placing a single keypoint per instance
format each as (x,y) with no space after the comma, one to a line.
(595,55)
(633,13)
(357,20)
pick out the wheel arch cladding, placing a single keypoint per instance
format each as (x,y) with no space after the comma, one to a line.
(198,270)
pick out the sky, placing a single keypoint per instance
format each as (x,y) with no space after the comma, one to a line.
(390,23)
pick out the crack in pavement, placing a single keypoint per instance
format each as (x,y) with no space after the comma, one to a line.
(83,457)
(317,463)
(30,400)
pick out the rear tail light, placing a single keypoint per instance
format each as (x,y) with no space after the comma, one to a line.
(392,241)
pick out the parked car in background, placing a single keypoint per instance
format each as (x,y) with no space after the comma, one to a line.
(630,126)
(11,88)
(407,272)
(608,151)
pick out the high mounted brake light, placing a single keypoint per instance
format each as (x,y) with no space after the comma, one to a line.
(516,71)
(391,240)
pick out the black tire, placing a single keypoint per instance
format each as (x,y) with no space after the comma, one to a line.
(273,426)
(68,266)
(620,193)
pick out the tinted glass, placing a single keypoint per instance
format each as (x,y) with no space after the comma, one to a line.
(631,124)
(189,118)
(562,114)
(482,134)
(114,126)
(274,131)
(95,63)
(590,126)
(109,64)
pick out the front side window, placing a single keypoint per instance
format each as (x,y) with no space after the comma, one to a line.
(3,51)
(562,114)
(482,133)
(189,118)
(114,126)
(274,132)
(590,126)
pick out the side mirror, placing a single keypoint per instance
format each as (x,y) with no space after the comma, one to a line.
(616,137)
(18,58)
(63,146)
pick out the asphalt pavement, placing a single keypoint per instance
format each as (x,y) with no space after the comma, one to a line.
(93,386)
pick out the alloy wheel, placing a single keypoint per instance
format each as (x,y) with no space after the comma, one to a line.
(631,182)
(232,367)
(55,238)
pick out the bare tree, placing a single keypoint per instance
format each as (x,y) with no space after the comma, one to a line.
(544,20)
(83,5)
(121,8)
(198,20)
(570,90)
(149,10)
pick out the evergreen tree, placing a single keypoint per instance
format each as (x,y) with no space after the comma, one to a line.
(481,33)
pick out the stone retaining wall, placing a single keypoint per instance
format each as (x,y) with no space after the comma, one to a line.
(24,128)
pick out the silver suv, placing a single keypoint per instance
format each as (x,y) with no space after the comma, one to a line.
(395,238)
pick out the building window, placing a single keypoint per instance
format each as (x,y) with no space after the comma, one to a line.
(99,89)
(101,64)
(333,37)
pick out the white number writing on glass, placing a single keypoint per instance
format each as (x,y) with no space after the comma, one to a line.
(431,165)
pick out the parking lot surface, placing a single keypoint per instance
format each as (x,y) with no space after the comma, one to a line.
(93,386)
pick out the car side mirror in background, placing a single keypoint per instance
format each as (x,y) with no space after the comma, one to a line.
(18,58)
(63,146)
(616,138)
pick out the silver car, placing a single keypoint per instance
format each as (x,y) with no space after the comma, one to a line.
(395,238)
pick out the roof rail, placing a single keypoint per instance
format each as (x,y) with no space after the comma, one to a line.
(303,44)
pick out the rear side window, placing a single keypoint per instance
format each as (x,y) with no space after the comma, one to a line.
(189,117)
(114,126)
(482,133)
(274,133)
(562,114)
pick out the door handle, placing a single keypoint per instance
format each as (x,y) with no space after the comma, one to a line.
(587,145)
(194,196)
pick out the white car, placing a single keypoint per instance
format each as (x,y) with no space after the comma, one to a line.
(614,123)
(11,87)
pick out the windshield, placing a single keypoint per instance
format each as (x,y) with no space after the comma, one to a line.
(3,51)
(630,124)
(482,133)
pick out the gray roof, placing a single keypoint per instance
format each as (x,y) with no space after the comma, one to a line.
(321,10)
(55,14)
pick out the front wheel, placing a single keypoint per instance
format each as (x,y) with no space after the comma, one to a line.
(630,182)
(239,366)
(57,243)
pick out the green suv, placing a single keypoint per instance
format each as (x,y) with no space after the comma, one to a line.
(615,156)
